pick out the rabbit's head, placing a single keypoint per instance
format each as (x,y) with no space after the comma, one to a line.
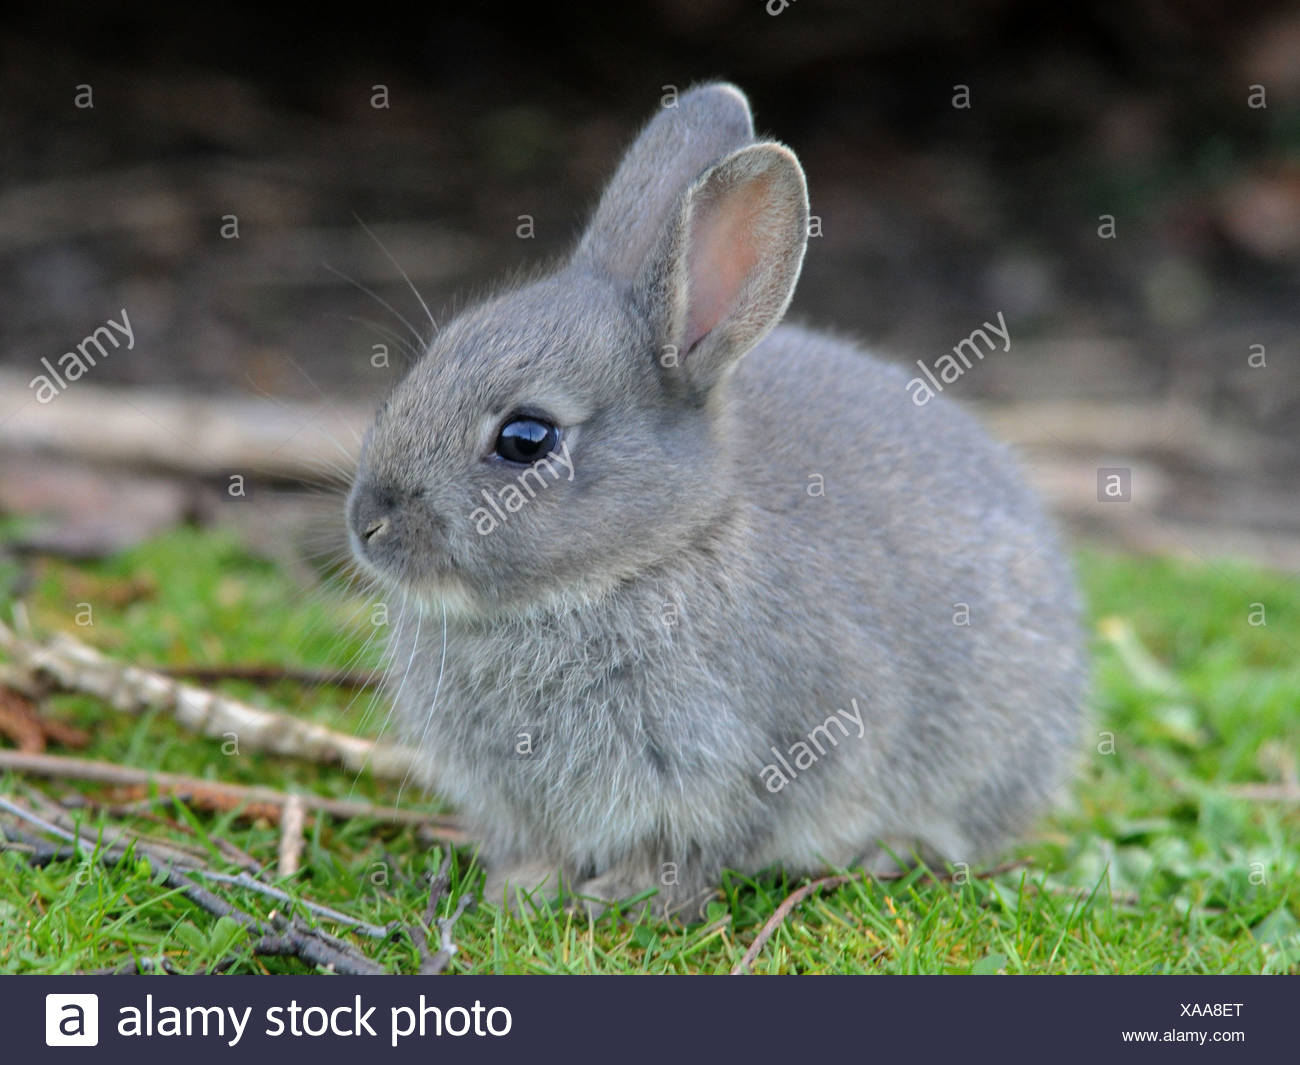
(569,433)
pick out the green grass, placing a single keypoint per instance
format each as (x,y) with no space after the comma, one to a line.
(1155,866)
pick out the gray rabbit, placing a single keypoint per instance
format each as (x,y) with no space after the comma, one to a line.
(660,610)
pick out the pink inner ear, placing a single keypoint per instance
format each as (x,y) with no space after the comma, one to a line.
(724,249)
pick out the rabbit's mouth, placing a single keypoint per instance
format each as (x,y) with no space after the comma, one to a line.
(450,590)
(435,587)
(393,532)
(449,596)
(405,554)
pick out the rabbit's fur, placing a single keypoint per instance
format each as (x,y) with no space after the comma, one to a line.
(741,548)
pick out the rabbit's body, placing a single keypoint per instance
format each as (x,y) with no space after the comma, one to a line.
(791,540)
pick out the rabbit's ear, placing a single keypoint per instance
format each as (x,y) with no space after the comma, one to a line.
(701,127)
(726,266)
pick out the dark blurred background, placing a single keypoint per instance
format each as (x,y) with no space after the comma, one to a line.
(1170,348)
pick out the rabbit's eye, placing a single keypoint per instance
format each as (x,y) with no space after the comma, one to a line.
(525,440)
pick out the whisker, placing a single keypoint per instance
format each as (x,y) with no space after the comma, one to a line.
(428,717)
(328,402)
(403,345)
(415,648)
(342,471)
(380,300)
(405,277)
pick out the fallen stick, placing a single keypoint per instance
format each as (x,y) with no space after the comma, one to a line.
(246,880)
(191,860)
(838,880)
(354,679)
(291,837)
(76,667)
(1287,790)
(434,964)
(174,852)
(442,827)
(192,434)
(143,811)
(284,936)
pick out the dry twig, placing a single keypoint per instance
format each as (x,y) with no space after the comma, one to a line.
(74,666)
(838,880)
(143,811)
(277,935)
(442,828)
(354,679)
(274,437)
(433,965)
(191,860)
(291,839)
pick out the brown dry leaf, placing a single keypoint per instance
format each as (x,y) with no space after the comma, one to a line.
(18,722)
(212,801)
(29,730)
(116,592)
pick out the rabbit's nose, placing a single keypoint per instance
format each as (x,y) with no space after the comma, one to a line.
(371,513)
(393,527)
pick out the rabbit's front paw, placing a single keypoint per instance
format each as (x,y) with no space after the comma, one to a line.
(636,891)
(518,886)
